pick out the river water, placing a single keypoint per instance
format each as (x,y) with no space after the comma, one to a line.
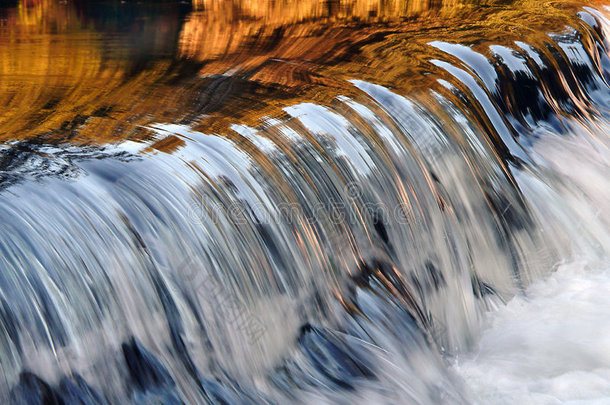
(250,202)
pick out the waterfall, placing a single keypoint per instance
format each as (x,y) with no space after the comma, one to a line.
(246,242)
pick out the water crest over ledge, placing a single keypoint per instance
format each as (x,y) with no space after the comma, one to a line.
(252,205)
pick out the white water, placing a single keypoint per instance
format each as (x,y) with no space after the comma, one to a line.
(550,346)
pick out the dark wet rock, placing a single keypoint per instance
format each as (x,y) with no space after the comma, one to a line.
(149,380)
(330,362)
(26,160)
(333,357)
(382,307)
(481,288)
(290,377)
(511,214)
(270,242)
(174,322)
(435,276)
(76,391)
(379,224)
(32,390)
(431,281)
(145,371)
(383,280)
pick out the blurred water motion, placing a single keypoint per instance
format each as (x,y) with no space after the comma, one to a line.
(272,201)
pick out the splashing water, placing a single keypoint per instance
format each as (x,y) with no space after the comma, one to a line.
(251,202)
(550,346)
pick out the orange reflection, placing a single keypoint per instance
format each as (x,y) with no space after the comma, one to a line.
(66,74)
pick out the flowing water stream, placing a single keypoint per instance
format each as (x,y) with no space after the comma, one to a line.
(272,202)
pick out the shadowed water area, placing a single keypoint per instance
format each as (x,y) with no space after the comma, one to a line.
(268,202)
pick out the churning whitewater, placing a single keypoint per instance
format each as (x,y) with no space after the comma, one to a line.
(339,209)
(550,346)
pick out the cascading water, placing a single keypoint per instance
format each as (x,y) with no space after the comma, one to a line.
(323,208)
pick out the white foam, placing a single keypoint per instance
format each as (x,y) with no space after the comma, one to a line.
(550,346)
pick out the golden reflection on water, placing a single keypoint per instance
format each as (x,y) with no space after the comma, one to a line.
(88,72)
